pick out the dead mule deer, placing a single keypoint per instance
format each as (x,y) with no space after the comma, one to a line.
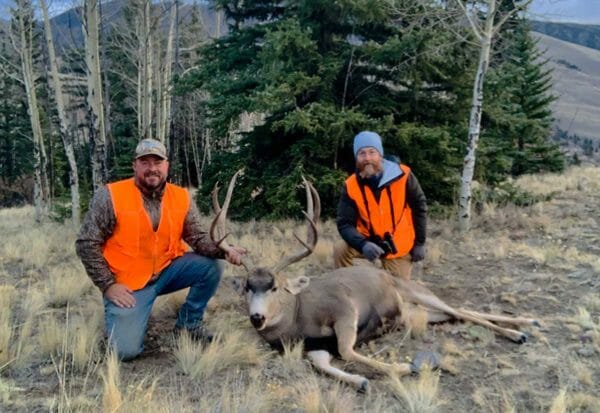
(333,313)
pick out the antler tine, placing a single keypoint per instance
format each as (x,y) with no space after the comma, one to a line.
(218,223)
(215,199)
(313,205)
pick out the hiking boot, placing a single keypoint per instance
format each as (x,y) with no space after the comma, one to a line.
(197,333)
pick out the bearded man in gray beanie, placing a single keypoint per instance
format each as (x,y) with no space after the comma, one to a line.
(382,213)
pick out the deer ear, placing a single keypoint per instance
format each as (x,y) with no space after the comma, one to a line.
(295,285)
(238,283)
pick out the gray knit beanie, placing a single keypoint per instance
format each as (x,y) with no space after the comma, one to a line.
(367,138)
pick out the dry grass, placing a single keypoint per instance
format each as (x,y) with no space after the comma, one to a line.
(66,285)
(239,396)
(226,351)
(559,404)
(311,397)
(418,396)
(538,261)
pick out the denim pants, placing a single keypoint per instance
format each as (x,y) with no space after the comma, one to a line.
(126,327)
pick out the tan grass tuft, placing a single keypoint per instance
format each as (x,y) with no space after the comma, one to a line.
(584,375)
(450,364)
(84,344)
(112,397)
(168,305)
(50,335)
(560,403)
(435,252)
(66,284)
(584,319)
(239,397)
(9,392)
(310,397)
(6,333)
(452,348)
(582,402)
(200,362)
(414,319)
(418,396)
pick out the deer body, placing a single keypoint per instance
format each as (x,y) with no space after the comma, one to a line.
(334,312)
(311,315)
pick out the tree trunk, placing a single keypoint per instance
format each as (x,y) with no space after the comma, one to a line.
(165,89)
(485,42)
(96,128)
(63,120)
(24,16)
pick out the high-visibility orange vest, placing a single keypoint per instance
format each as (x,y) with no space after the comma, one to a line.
(135,251)
(378,215)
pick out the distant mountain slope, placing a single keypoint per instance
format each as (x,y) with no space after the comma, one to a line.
(582,34)
(577,85)
(67,26)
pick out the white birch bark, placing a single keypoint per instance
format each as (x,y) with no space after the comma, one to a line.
(63,119)
(164,120)
(24,47)
(97,131)
(484,34)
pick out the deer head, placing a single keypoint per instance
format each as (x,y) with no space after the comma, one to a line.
(265,289)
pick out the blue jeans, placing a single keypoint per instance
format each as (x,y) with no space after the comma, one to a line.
(126,327)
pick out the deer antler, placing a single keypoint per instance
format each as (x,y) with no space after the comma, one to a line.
(313,206)
(218,231)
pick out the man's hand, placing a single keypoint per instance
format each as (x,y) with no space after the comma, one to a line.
(120,295)
(418,253)
(235,255)
(372,251)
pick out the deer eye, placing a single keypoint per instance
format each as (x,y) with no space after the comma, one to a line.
(273,289)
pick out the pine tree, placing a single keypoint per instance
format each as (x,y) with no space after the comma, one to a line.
(519,119)
(318,72)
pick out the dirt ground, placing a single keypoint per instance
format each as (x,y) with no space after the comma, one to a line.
(541,261)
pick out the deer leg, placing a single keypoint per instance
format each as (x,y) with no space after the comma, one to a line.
(423,296)
(515,321)
(321,359)
(345,331)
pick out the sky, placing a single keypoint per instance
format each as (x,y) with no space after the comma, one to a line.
(578,11)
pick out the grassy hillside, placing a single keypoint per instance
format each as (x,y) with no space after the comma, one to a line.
(540,261)
(582,34)
(576,79)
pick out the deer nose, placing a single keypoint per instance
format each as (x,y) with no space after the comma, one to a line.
(257,320)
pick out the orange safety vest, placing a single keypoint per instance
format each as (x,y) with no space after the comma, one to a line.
(381,213)
(135,252)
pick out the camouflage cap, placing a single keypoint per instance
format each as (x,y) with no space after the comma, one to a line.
(151,147)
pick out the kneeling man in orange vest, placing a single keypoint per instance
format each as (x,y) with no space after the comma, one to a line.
(134,246)
(382,211)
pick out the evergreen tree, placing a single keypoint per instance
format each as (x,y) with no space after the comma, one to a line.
(319,72)
(15,130)
(518,120)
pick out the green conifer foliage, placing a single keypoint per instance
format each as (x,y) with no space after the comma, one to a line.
(518,118)
(318,72)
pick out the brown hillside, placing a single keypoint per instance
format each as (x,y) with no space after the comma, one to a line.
(576,83)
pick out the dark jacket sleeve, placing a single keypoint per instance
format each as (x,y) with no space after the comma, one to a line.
(415,198)
(347,216)
(98,225)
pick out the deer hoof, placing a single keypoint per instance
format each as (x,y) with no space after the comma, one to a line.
(363,386)
(522,339)
(536,323)
(430,358)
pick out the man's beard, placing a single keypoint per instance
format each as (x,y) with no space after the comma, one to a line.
(151,187)
(368,171)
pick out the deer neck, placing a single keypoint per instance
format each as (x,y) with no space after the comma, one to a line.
(286,325)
